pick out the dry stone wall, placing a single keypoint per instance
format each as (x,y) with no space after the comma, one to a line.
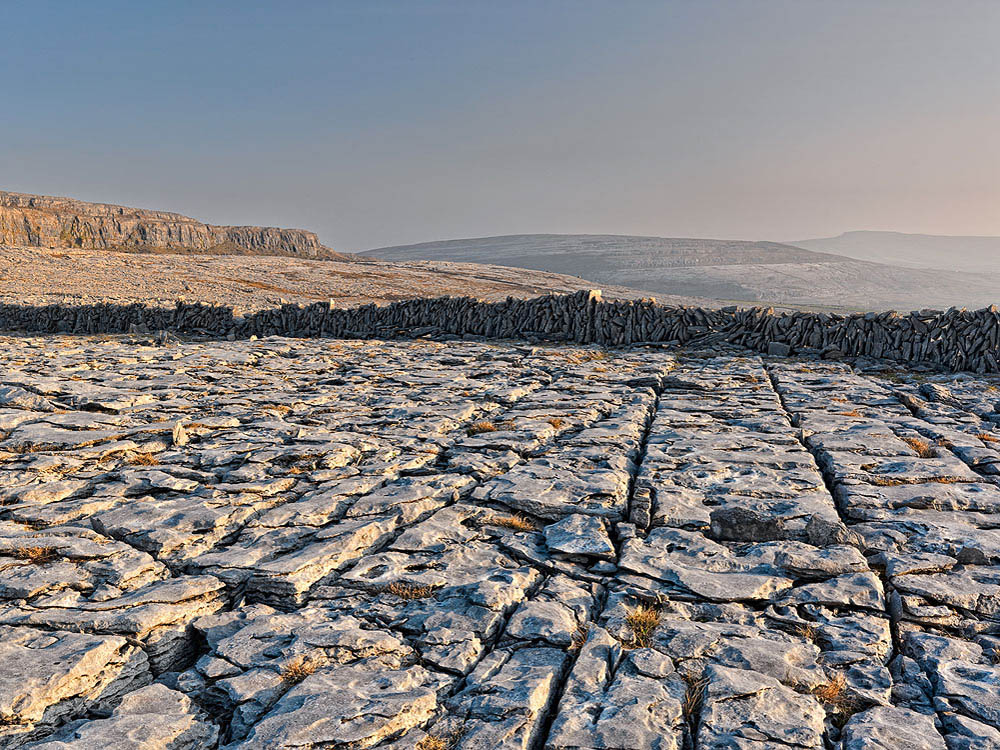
(956,339)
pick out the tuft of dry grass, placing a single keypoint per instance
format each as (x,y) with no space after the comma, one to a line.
(143,459)
(557,422)
(34,555)
(478,428)
(642,621)
(851,413)
(579,637)
(517,523)
(808,631)
(409,591)
(922,447)
(438,741)
(834,694)
(298,669)
(988,438)
(694,696)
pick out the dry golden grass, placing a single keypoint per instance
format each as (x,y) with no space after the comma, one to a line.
(517,523)
(438,741)
(808,631)
(922,447)
(988,438)
(35,555)
(887,482)
(834,695)
(143,459)
(851,413)
(891,482)
(557,422)
(478,428)
(580,356)
(409,591)
(579,637)
(298,669)
(694,696)
(642,621)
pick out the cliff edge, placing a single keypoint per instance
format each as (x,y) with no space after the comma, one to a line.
(44,221)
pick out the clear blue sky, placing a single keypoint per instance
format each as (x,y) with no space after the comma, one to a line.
(376,122)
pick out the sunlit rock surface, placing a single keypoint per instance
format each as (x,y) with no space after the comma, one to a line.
(327,544)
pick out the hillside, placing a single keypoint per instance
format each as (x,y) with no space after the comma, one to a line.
(33,275)
(972,254)
(44,221)
(731,270)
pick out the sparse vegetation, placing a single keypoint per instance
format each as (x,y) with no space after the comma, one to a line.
(988,438)
(835,697)
(694,697)
(579,637)
(298,669)
(478,428)
(922,447)
(517,523)
(556,422)
(642,621)
(438,741)
(808,631)
(144,458)
(851,413)
(34,555)
(409,591)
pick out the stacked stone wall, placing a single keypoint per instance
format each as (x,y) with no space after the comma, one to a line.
(956,339)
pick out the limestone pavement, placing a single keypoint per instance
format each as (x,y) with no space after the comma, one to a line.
(345,544)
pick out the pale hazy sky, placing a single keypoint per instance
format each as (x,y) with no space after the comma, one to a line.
(376,122)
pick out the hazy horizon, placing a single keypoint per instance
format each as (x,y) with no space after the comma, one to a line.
(383,123)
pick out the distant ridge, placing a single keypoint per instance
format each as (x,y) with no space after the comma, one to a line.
(46,221)
(952,252)
(724,270)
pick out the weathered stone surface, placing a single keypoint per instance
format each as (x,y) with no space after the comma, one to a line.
(427,545)
(152,717)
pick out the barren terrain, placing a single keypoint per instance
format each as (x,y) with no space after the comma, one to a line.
(328,544)
(766,273)
(31,275)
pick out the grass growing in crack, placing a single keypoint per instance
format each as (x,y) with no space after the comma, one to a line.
(851,413)
(922,447)
(808,631)
(694,697)
(988,438)
(579,637)
(34,555)
(143,459)
(298,669)
(438,741)
(478,428)
(556,422)
(834,696)
(516,523)
(642,621)
(409,591)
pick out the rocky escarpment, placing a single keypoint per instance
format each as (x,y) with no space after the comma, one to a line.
(43,221)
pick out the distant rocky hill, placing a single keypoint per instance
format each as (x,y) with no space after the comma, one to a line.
(724,270)
(43,221)
(955,253)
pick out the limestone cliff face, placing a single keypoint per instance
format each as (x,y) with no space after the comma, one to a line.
(43,221)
